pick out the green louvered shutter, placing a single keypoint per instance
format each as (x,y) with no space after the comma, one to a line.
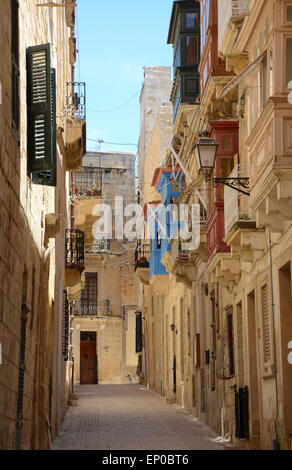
(39,128)
(138,332)
(49,178)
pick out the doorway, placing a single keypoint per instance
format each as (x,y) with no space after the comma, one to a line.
(285,283)
(88,358)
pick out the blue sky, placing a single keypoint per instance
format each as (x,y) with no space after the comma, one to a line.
(116,40)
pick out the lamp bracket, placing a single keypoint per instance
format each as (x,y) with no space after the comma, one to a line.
(239,184)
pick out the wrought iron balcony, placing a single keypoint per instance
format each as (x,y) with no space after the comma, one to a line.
(142,255)
(98,308)
(97,247)
(74,249)
(88,182)
(76,100)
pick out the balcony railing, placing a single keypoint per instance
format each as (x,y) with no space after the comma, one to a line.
(88,182)
(99,308)
(74,248)
(142,255)
(230,10)
(239,7)
(76,99)
(97,247)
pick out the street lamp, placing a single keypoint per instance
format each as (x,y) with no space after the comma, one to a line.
(206,152)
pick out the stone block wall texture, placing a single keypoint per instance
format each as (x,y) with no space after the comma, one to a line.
(23,207)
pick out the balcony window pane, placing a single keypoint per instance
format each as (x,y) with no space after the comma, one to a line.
(192,20)
(192,50)
(289,13)
(288,61)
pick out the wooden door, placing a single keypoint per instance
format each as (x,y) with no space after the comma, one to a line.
(88,362)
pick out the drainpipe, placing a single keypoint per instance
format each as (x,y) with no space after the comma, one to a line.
(276,443)
(145,358)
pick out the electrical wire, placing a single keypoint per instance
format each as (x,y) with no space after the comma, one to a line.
(99,141)
(117,108)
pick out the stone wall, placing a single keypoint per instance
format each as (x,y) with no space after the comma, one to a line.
(30,271)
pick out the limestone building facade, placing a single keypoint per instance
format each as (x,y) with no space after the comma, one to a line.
(36,75)
(217,319)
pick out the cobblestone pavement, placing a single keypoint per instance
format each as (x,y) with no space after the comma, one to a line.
(129,417)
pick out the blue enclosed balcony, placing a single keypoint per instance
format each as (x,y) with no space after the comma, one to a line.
(168,183)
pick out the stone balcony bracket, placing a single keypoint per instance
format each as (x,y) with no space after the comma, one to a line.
(185,272)
(237,63)
(182,265)
(247,243)
(160,284)
(273,202)
(225,270)
(143,275)
(52,226)
(214,108)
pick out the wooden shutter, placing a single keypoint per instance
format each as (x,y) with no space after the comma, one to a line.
(39,128)
(266,324)
(49,178)
(138,332)
(15,66)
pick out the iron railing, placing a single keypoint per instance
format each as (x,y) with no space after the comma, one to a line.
(98,308)
(76,99)
(74,248)
(142,255)
(97,247)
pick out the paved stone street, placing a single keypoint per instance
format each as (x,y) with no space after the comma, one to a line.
(129,417)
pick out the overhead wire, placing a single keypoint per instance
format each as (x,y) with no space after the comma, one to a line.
(117,108)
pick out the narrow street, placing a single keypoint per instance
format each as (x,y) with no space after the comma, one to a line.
(129,417)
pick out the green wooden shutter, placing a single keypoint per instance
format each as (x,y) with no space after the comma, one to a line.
(138,332)
(39,128)
(49,178)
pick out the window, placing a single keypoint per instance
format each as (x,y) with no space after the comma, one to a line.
(192,20)
(41,116)
(264,72)
(192,50)
(15,69)
(288,61)
(289,13)
(271,72)
(89,295)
